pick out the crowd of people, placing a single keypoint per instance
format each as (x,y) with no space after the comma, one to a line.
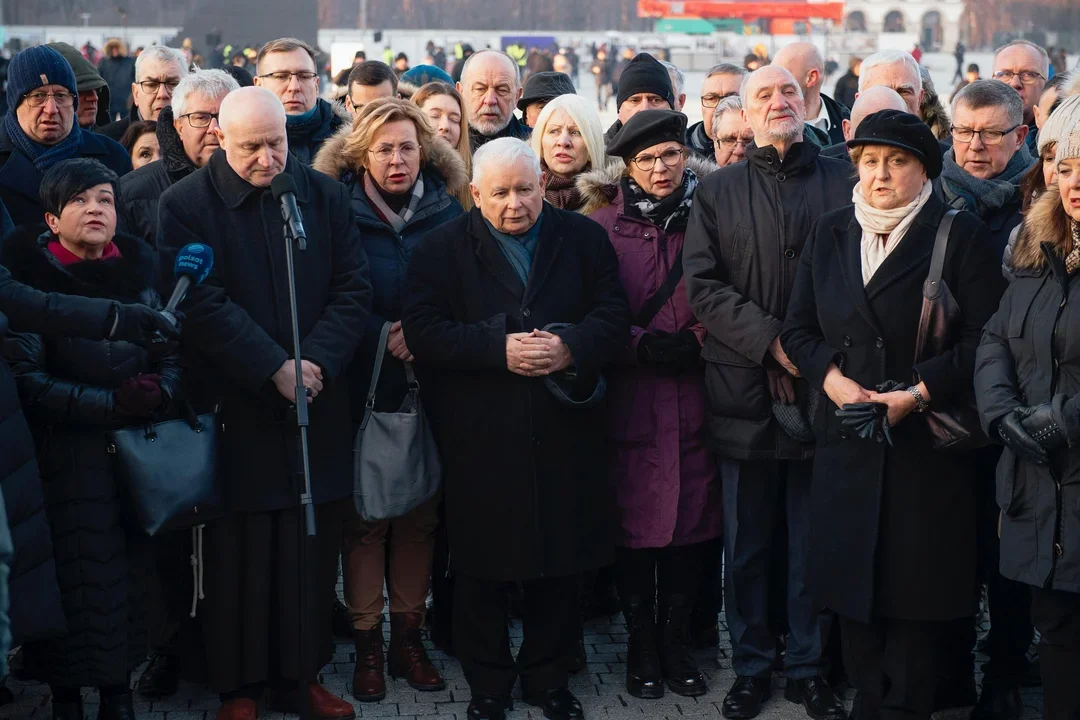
(813,351)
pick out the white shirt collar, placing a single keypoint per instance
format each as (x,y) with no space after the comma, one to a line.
(822,121)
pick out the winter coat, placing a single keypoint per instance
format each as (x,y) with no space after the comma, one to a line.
(119,72)
(662,476)
(847,87)
(305,144)
(7,553)
(239,320)
(747,228)
(892,528)
(699,142)
(115,130)
(388,254)
(837,114)
(1028,357)
(20,181)
(516,129)
(523,473)
(66,386)
(999,222)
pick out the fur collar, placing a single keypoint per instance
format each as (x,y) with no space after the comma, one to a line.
(598,188)
(444,161)
(1045,223)
(129,278)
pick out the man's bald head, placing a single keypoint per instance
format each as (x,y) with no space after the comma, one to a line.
(804,61)
(251,130)
(870,101)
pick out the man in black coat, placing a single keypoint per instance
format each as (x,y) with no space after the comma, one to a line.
(238,320)
(746,231)
(645,85)
(523,469)
(490,87)
(823,114)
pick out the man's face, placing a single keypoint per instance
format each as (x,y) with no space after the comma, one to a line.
(491,90)
(634,104)
(533,110)
(509,196)
(713,90)
(199,142)
(153,90)
(977,157)
(1015,62)
(292,77)
(900,78)
(88,107)
(256,147)
(47,114)
(734,136)
(1042,109)
(774,109)
(360,95)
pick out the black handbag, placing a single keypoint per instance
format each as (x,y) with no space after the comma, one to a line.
(955,426)
(170,471)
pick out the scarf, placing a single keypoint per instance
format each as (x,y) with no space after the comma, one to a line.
(65,257)
(670,214)
(397,222)
(302,129)
(964,191)
(882,230)
(562,192)
(519,249)
(43,156)
(1072,260)
(173,157)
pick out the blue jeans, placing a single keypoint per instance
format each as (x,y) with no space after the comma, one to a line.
(757,496)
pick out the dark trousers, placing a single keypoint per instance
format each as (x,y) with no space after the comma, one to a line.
(1057,616)
(664,573)
(890,663)
(759,495)
(710,593)
(173,632)
(551,623)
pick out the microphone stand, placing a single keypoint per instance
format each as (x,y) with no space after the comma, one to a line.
(305,529)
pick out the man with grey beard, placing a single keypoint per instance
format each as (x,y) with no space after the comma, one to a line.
(741,252)
(490,88)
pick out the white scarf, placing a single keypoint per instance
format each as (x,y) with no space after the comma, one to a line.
(876,223)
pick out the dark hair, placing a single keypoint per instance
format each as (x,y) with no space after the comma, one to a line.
(1032,183)
(1057,84)
(973,67)
(136,130)
(371,73)
(240,75)
(66,179)
(360,55)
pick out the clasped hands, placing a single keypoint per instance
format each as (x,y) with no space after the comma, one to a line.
(285,379)
(536,354)
(862,409)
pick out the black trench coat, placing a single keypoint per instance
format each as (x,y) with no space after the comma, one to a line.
(525,476)
(892,529)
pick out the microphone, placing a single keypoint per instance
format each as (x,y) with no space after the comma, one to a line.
(284,188)
(193,264)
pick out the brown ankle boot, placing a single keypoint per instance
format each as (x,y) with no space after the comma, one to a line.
(408,658)
(369,685)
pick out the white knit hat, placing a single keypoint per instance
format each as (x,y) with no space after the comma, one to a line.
(1069,146)
(1060,122)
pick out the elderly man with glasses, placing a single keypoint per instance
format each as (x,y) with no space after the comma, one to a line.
(158,71)
(1025,67)
(721,81)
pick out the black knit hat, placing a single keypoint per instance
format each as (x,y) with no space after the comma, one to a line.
(645,74)
(647,128)
(545,86)
(902,130)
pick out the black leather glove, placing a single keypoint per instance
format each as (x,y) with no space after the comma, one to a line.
(651,352)
(140,324)
(1039,423)
(890,386)
(681,352)
(866,419)
(1011,431)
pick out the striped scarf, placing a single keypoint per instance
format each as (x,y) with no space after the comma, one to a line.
(397,222)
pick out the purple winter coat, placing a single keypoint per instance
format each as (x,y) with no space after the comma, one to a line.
(665,482)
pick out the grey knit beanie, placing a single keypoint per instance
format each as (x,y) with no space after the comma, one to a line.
(1060,122)
(1068,146)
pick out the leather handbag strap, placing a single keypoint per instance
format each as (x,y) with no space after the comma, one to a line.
(379,355)
(652,306)
(932,288)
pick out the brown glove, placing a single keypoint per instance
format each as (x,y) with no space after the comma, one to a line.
(139,396)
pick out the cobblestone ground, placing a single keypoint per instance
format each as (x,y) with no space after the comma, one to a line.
(600,688)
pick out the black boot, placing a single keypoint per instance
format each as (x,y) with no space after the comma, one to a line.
(676,662)
(160,678)
(116,707)
(644,678)
(67,710)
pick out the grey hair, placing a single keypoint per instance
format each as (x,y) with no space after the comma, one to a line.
(162,53)
(504,151)
(749,76)
(678,80)
(729,104)
(486,51)
(889,57)
(211,84)
(726,69)
(1035,46)
(991,93)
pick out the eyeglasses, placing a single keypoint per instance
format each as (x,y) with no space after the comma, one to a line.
(62,99)
(199,119)
(711,101)
(732,142)
(988,137)
(384,155)
(1027,77)
(670,158)
(284,76)
(150,87)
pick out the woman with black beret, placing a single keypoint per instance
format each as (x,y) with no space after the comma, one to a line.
(893,547)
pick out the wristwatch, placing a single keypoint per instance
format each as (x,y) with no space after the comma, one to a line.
(920,403)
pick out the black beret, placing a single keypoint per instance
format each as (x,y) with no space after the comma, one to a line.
(902,130)
(545,86)
(645,74)
(645,129)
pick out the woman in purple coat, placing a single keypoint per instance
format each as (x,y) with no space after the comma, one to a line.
(664,480)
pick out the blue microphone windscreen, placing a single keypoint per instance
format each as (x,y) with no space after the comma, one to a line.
(195,261)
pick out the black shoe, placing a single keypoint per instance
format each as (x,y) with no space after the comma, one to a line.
(745,697)
(998,702)
(677,664)
(953,692)
(489,707)
(160,677)
(340,624)
(558,704)
(644,678)
(67,710)
(577,662)
(817,697)
(116,707)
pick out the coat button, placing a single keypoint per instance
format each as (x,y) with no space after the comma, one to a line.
(1058,549)
(843,434)
(789,253)
(781,177)
(879,343)
(616,228)
(526,312)
(879,437)
(847,341)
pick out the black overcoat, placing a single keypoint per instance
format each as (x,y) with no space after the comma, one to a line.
(239,321)
(892,529)
(525,476)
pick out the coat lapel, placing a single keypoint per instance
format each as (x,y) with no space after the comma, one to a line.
(491,257)
(547,250)
(849,250)
(912,252)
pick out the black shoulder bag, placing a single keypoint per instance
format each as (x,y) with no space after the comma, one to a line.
(656,301)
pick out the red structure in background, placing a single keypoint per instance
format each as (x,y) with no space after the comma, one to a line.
(776,10)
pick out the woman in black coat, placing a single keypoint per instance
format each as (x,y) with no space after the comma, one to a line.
(73,392)
(893,534)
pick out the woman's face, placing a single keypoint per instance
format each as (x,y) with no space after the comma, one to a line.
(88,221)
(1068,178)
(659,179)
(146,151)
(1049,167)
(563,145)
(889,177)
(394,156)
(445,115)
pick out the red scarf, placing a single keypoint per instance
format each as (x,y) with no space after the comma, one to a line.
(66,257)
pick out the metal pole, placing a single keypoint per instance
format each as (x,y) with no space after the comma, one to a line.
(363,15)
